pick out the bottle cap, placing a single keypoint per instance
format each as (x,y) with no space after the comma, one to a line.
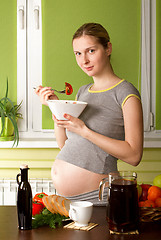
(23,166)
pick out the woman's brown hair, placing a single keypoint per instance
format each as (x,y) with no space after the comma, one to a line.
(96,30)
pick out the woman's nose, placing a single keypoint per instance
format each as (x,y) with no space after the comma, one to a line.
(85,59)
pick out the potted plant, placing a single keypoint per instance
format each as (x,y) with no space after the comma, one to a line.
(9,114)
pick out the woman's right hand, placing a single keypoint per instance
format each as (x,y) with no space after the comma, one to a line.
(45,93)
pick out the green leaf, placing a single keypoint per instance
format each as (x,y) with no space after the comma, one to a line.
(47,218)
(14,122)
(3,122)
(10,110)
(6,89)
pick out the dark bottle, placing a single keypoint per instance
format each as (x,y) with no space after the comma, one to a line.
(24,200)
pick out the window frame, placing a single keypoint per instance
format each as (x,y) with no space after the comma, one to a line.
(152,137)
(30,126)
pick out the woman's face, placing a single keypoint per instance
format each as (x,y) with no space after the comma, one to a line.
(91,56)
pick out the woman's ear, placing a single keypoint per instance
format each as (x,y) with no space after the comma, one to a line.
(109,49)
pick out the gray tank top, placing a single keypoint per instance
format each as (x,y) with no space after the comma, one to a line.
(103,115)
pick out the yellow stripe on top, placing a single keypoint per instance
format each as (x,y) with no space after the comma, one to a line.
(105,89)
(130,95)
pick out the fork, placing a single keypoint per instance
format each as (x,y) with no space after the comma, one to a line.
(63,91)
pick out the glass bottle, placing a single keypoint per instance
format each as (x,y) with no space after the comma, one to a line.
(24,200)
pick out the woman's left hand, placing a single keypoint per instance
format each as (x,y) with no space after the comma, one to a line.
(72,124)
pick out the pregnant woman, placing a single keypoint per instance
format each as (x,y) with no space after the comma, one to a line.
(110,128)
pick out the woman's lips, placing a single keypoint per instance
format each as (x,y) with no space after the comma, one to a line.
(89,68)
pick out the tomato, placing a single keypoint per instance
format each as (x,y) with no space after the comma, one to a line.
(36,208)
(38,197)
(68,89)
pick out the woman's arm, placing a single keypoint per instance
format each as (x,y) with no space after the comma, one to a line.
(131,149)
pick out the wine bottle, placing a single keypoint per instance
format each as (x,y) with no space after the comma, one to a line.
(24,200)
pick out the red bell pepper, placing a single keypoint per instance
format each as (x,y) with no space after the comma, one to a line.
(37,208)
(68,89)
(38,197)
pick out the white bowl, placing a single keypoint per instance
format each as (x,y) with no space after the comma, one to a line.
(60,107)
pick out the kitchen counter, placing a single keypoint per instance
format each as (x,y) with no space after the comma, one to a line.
(10,231)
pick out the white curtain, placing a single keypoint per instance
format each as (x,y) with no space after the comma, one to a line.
(145,63)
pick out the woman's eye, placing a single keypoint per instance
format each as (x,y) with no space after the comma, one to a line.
(91,51)
(77,53)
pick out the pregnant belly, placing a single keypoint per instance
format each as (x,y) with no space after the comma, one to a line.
(70,180)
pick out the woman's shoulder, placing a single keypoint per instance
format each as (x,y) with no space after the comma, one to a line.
(126,89)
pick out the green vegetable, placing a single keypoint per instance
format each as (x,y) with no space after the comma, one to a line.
(47,218)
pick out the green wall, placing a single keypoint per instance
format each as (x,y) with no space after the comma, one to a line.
(60,19)
(8,47)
